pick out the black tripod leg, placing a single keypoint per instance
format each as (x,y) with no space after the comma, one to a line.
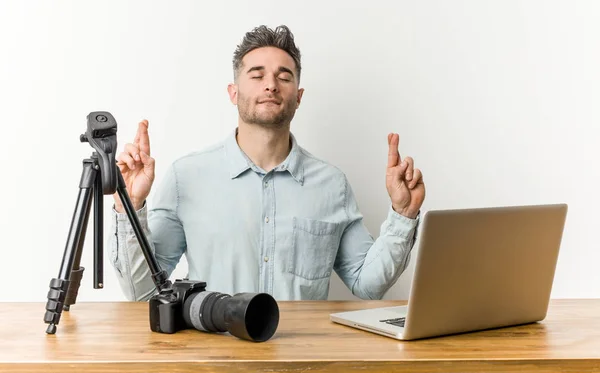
(76,269)
(98,234)
(159,276)
(59,286)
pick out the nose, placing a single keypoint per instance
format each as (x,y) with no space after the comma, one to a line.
(271,85)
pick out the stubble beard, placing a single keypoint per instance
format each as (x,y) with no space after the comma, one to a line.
(265,118)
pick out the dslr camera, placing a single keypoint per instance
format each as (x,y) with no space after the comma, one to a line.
(187,304)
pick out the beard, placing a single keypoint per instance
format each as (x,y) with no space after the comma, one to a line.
(266,115)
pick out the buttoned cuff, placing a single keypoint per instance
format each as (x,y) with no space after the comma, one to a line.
(400,225)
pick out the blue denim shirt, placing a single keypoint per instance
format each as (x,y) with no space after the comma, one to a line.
(242,229)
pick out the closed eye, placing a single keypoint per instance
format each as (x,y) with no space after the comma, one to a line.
(285,76)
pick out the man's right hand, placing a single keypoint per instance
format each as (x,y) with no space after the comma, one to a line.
(137,168)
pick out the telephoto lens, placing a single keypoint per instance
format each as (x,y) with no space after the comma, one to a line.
(249,316)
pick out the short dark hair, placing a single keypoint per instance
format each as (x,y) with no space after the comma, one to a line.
(262,36)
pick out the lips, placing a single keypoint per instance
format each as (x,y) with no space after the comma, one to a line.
(271,101)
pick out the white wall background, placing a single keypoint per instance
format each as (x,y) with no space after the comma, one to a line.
(497,101)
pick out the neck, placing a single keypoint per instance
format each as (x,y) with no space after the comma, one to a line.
(266,147)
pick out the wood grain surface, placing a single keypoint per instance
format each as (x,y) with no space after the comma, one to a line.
(116,337)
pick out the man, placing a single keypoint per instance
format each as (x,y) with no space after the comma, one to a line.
(257,212)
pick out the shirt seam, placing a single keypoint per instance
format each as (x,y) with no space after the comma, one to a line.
(348,218)
(130,275)
(271,263)
(213,149)
(176,191)
(117,257)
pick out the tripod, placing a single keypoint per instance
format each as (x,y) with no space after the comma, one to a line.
(99,177)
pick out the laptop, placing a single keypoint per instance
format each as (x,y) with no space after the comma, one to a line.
(476,269)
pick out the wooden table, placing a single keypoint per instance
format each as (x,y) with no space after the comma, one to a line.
(115,337)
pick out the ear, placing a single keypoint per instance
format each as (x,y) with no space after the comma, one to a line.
(232,89)
(299,98)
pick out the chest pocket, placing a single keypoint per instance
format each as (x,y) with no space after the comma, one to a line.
(314,247)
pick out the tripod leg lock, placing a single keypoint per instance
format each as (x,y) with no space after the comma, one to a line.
(75,281)
(56,300)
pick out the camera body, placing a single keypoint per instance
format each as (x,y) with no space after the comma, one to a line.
(166,307)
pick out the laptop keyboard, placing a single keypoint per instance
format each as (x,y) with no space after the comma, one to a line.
(397,321)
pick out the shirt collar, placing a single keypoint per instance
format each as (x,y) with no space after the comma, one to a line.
(238,161)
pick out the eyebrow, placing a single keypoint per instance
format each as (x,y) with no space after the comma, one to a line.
(281,69)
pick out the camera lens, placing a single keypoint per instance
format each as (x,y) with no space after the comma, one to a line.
(250,316)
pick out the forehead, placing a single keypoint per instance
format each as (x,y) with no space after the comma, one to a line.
(269,57)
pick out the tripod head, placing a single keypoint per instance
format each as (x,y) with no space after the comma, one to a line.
(102,135)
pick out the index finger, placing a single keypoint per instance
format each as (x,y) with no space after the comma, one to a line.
(393,154)
(141,138)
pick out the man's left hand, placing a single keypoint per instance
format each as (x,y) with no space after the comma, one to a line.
(403,181)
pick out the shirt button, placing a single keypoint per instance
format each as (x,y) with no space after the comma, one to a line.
(266,258)
(266,184)
(266,219)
